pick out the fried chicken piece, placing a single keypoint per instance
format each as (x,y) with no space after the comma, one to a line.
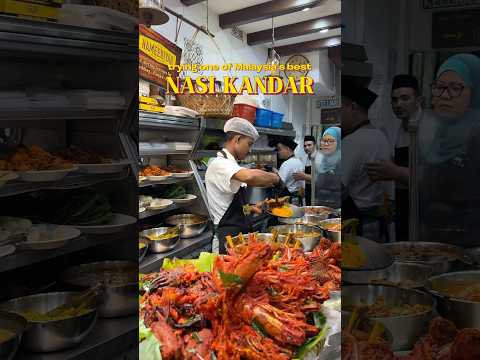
(198,345)
(441,331)
(466,345)
(374,351)
(171,346)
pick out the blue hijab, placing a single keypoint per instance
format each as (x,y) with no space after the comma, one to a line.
(452,136)
(329,162)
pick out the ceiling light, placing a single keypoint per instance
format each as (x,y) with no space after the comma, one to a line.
(306,9)
(324,30)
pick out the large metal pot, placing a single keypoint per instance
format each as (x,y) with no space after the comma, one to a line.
(463,313)
(119,294)
(471,257)
(411,252)
(256,194)
(16,325)
(406,329)
(404,275)
(331,234)
(48,336)
(191,225)
(161,246)
(308,242)
(315,214)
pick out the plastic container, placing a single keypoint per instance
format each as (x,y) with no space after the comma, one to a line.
(263,118)
(277,120)
(245,111)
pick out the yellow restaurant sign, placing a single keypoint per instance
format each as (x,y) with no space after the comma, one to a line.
(157,51)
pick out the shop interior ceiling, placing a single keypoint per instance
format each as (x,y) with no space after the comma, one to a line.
(300,27)
(295,27)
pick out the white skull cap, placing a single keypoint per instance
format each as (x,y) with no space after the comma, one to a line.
(241,126)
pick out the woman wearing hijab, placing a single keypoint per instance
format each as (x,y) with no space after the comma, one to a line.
(328,164)
(449,161)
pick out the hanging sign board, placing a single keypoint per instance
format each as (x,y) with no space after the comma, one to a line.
(156,54)
(328,102)
(440,4)
(456,29)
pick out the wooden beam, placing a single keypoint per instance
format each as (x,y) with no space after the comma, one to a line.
(335,55)
(308,46)
(294,30)
(264,11)
(191,2)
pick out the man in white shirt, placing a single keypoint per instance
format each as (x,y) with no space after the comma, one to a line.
(406,102)
(310,148)
(362,143)
(226,181)
(291,165)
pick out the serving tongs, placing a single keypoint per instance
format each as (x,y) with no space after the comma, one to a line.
(84,300)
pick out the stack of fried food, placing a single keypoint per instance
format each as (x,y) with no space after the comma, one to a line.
(153,170)
(81,156)
(445,342)
(33,158)
(259,302)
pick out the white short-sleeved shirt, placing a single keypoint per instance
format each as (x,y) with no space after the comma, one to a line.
(365,145)
(221,188)
(286,171)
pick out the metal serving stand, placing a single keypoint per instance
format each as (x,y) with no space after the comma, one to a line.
(39,51)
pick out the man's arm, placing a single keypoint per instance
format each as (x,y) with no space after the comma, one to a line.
(387,170)
(255,177)
(299,176)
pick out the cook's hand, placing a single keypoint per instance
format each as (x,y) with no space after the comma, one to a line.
(256,210)
(299,176)
(384,170)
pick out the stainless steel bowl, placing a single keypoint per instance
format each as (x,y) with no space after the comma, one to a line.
(399,274)
(404,251)
(308,242)
(377,257)
(117,298)
(161,246)
(463,313)
(256,194)
(330,234)
(16,325)
(262,237)
(292,221)
(190,225)
(406,329)
(48,336)
(471,257)
(311,217)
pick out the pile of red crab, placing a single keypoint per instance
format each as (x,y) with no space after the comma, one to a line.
(256,304)
(442,342)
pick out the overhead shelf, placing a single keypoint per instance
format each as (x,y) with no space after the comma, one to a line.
(28,36)
(149,213)
(153,262)
(147,183)
(150,120)
(218,124)
(22,258)
(58,114)
(212,153)
(72,181)
(150,153)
